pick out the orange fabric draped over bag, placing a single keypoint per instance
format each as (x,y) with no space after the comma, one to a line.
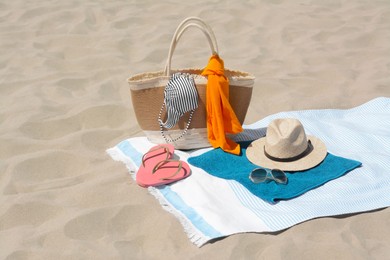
(221,118)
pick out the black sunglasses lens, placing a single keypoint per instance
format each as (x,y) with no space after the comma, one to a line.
(279,176)
(258,175)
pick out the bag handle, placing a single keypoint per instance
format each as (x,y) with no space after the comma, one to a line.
(183,26)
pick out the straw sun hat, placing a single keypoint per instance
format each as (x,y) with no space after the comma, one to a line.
(286,147)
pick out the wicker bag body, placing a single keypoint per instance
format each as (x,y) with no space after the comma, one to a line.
(147,93)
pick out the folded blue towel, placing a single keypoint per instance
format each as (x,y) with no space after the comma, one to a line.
(232,167)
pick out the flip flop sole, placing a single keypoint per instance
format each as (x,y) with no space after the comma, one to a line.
(155,155)
(163,175)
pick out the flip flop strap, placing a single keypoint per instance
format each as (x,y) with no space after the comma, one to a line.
(162,163)
(166,151)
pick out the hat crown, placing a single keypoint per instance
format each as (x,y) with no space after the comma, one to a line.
(285,138)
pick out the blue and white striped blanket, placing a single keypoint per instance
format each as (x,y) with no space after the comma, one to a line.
(210,207)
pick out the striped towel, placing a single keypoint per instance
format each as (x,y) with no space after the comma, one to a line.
(210,207)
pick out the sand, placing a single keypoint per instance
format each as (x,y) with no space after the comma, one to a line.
(64,100)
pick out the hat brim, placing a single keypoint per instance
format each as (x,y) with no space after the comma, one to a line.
(255,154)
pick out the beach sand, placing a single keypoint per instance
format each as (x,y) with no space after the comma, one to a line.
(64,100)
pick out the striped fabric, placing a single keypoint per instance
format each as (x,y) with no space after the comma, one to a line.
(210,207)
(180,97)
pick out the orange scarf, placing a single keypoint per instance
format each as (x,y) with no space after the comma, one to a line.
(221,118)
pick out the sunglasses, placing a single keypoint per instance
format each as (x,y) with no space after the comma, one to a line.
(260,175)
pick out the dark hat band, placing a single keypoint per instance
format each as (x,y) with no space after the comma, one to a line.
(308,150)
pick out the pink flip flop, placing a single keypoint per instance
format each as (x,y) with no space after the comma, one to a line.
(158,168)
(164,172)
(155,154)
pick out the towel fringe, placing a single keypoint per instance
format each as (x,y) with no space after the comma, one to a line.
(118,156)
(193,234)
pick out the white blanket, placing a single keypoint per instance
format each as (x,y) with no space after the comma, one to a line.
(209,207)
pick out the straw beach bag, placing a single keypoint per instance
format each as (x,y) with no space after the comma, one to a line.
(147,93)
